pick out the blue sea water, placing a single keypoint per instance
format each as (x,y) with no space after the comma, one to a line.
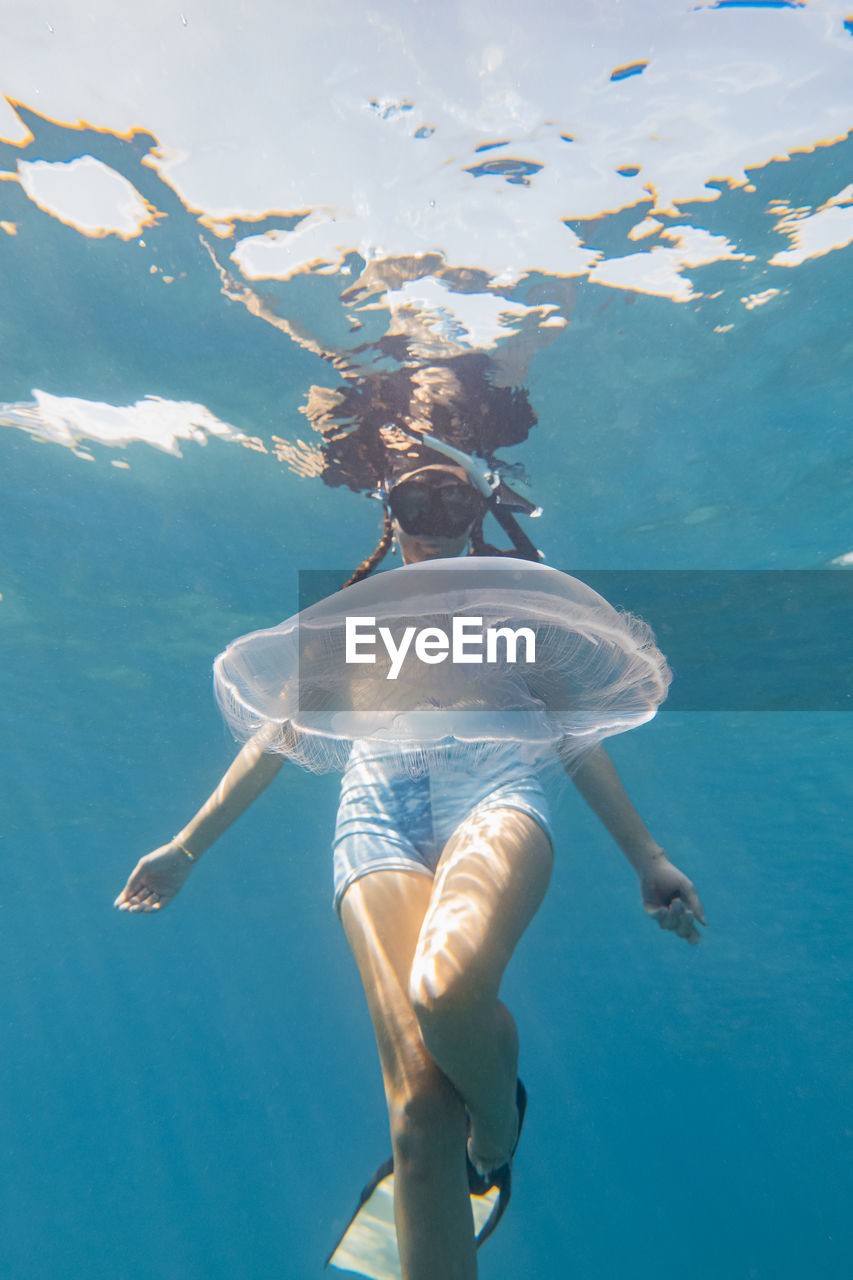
(195,1096)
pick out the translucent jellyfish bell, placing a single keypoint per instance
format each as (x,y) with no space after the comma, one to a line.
(447,653)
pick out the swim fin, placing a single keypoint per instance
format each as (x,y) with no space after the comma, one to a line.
(368,1244)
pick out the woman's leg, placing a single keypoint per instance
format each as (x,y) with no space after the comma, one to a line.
(489,884)
(431,957)
(382,914)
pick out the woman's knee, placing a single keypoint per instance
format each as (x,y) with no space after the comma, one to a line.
(426,1117)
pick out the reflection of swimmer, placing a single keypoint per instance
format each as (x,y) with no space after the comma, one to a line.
(436,879)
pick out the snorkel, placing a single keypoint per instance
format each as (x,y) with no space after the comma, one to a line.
(475,468)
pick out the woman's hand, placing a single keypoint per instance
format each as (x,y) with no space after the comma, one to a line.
(155,879)
(671,899)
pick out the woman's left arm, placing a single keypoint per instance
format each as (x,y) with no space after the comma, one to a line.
(668,896)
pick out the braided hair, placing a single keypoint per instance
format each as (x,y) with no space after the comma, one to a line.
(376,556)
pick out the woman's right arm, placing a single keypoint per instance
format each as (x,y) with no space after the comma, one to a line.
(668,896)
(158,876)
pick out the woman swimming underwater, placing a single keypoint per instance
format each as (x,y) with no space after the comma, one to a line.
(436,880)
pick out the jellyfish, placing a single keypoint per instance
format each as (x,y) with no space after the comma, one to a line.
(441,660)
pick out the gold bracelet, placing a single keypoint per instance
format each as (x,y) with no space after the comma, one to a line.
(192,857)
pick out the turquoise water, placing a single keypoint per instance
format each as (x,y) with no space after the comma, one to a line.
(195,1094)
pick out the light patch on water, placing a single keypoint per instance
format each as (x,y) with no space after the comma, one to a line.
(319,243)
(812,234)
(375,121)
(478,320)
(159,423)
(645,228)
(87,195)
(658,271)
(753,300)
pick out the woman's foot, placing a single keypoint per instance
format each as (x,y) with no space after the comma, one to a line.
(484,1165)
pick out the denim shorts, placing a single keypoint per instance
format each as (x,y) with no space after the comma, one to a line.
(390,818)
